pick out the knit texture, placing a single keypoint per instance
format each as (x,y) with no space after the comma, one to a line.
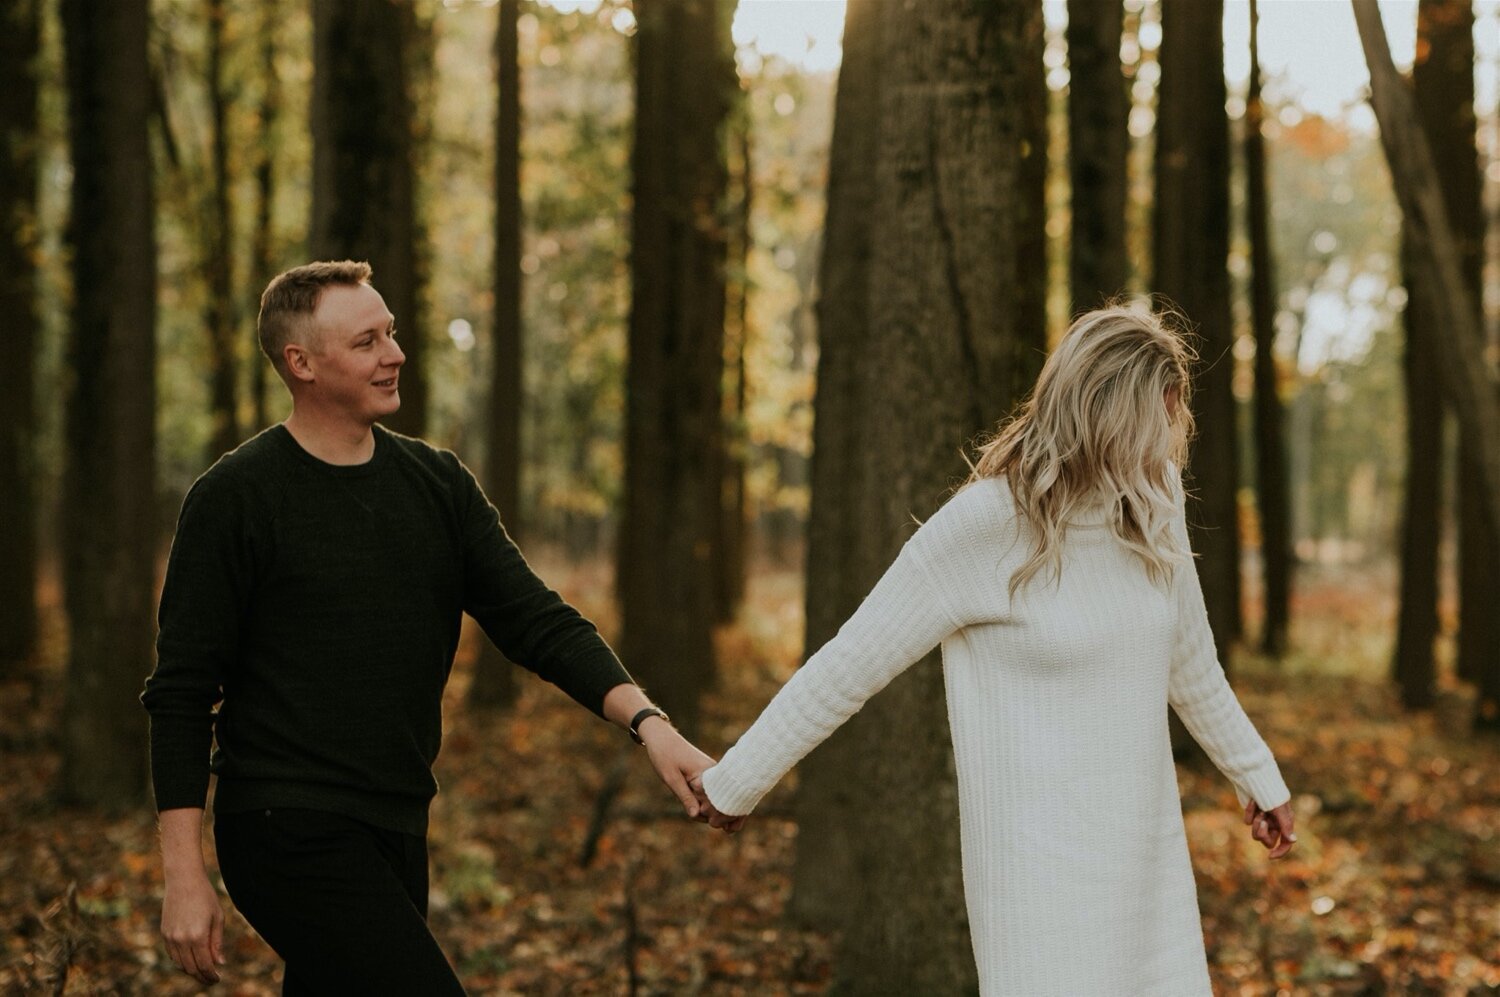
(322,604)
(1075,861)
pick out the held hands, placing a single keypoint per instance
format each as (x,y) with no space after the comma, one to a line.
(724,822)
(680,765)
(192,924)
(1272,828)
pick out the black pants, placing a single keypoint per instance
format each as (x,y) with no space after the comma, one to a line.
(344,903)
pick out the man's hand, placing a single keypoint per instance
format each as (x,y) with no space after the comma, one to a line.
(729,823)
(192,923)
(675,760)
(1271,828)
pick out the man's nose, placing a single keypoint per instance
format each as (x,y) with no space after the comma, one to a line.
(393,353)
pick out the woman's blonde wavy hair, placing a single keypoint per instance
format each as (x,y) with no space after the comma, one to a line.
(1096,429)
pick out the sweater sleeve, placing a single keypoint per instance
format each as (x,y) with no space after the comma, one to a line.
(1201,695)
(901,619)
(209,577)
(530,623)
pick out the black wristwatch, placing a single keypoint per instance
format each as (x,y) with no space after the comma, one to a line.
(635,721)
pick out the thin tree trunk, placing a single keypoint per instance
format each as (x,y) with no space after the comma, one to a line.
(949,337)
(825,861)
(1270,440)
(1098,141)
(733,526)
(262,251)
(674,410)
(109,534)
(1436,261)
(19,50)
(495,680)
(363,177)
(1415,668)
(1191,239)
(218,262)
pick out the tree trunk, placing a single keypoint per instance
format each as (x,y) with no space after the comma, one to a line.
(935,209)
(733,524)
(262,249)
(363,177)
(19,51)
(1415,668)
(1436,262)
(1443,87)
(674,412)
(109,535)
(1270,439)
(218,262)
(825,862)
(1098,141)
(495,680)
(1191,240)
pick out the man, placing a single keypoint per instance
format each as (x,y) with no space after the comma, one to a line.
(315,591)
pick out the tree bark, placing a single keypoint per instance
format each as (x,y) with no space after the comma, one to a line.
(1191,240)
(19,50)
(495,681)
(1098,141)
(363,178)
(109,535)
(1443,88)
(1270,439)
(218,260)
(934,213)
(1436,261)
(674,410)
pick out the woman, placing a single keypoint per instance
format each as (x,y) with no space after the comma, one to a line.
(1060,584)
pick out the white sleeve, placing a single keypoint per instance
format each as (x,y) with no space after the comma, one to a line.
(901,619)
(1201,695)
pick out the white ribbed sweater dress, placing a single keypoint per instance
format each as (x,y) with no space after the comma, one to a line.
(1075,861)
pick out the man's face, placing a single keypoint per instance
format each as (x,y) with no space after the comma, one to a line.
(353,357)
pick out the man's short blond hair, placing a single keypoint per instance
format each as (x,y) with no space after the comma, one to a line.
(289,301)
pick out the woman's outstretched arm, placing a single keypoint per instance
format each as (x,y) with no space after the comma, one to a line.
(901,619)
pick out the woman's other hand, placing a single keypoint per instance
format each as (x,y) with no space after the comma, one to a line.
(1272,828)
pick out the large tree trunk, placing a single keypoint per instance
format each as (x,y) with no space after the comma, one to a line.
(108,526)
(262,250)
(1098,108)
(363,178)
(1191,240)
(19,49)
(1443,86)
(218,261)
(1270,441)
(935,210)
(494,683)
(674,413)
(1437,265)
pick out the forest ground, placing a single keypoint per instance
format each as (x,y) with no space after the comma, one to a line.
(1393,888)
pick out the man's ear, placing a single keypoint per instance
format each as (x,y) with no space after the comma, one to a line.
(298,360)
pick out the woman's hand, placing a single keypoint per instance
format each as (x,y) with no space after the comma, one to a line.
(1271,828)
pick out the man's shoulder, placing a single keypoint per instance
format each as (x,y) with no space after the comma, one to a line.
(251,472)
(442,464)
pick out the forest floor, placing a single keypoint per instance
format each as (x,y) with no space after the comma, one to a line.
(1394,887)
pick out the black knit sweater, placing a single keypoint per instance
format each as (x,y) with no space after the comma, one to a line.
(320,606)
